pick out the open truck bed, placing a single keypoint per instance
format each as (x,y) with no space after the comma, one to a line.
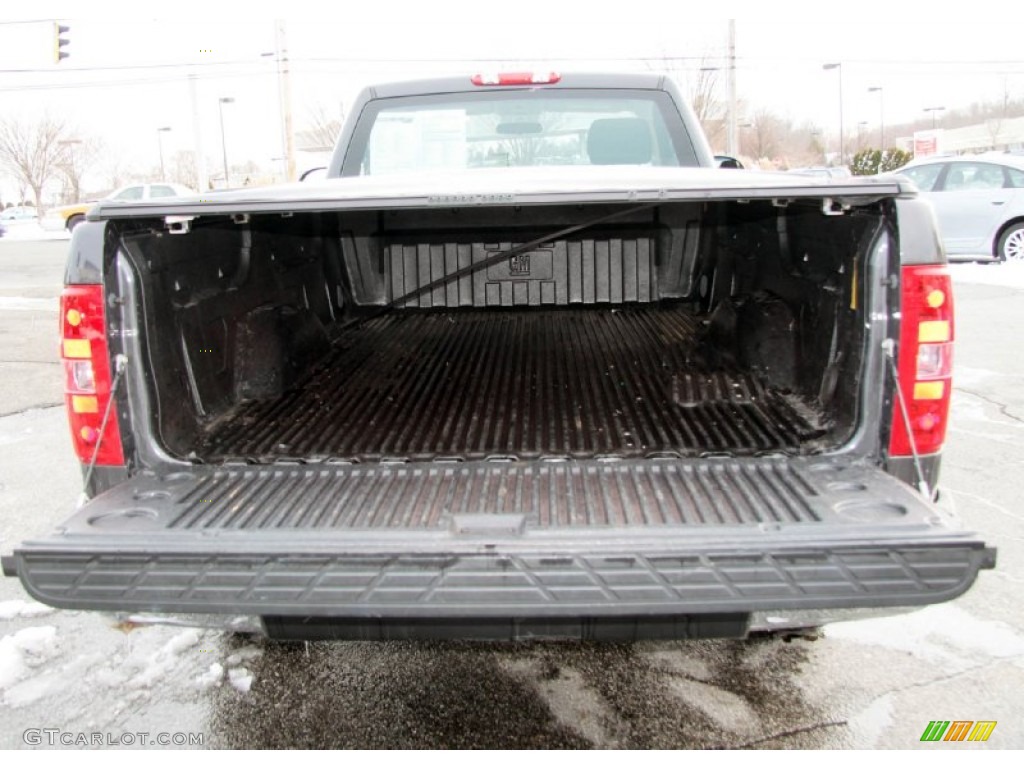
(359,417)
(628,382)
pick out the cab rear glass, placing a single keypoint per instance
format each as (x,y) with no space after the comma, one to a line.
(525,128)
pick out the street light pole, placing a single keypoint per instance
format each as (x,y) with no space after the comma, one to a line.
(881,114)
(933,110)
(223,139)
(160,144)
(838,65)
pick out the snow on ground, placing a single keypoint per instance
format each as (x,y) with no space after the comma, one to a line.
(23,609)
(1009,274)
(241,678)
(24,650)
(158,664)
(213,676)
(32,231)
(944,633)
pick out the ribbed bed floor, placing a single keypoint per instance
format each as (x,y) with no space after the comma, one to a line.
(479,384)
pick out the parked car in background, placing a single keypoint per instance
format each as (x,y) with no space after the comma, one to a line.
(979,203)
(73,215)
(19,213)
(18,217)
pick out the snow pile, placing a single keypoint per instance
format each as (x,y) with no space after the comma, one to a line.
(164,660)
(211,677)
(24,650)
(248,653)
(945,634)
(241,678)
(23,609)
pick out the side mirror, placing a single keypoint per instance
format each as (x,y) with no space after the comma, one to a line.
(321,170)
(724,161)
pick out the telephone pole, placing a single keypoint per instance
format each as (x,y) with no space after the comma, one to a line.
(285,81)
(732,149)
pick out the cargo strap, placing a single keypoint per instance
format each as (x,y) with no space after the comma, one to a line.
(120,363)
(890,354)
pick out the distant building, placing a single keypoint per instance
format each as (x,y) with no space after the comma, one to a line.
(994,134)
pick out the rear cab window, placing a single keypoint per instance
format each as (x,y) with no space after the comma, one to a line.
(466,130)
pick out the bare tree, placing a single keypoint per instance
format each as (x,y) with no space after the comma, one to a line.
(32,151)
(183,169)
(699,81)
(765,134)
(323,127)
(77,158)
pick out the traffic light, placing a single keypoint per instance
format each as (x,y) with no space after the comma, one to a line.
(59,42)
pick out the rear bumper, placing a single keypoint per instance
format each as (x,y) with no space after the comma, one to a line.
(479,543)
(658,577)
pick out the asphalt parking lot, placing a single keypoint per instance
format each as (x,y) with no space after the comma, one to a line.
(874,683)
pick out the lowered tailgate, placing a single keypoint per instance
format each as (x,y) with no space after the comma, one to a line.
(485,540)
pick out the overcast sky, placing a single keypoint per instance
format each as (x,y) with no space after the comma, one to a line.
(127,76)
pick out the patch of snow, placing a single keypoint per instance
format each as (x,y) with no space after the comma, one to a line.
(211,677)
(248,653)
(35,688)
(868,725)
(164,660)
(24,650)
(109,678)
(23,609)
(240,678)
(938,633)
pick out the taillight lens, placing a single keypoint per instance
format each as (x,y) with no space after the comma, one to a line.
(516,78)
(87,376)
(925,360)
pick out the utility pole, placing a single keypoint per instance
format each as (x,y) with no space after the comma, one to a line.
(732,149)
(284,73)
(223,138)
(197,136)
(838,66)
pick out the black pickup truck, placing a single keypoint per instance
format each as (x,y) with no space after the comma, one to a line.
(525,364)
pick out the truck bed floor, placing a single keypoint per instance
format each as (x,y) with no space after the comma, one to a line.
(477,384)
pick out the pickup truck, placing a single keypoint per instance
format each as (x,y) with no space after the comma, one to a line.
(524,364)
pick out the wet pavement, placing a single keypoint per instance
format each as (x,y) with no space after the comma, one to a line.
(863,684)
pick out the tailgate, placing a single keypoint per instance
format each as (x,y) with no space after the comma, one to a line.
(482,540)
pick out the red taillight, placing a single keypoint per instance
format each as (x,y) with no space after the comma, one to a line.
(516,78)
(87,377)
(925,360)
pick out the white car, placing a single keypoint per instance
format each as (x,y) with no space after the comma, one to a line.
(73,215)
(978,201)
(17,220)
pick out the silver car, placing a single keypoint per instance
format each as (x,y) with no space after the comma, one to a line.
(979,203)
